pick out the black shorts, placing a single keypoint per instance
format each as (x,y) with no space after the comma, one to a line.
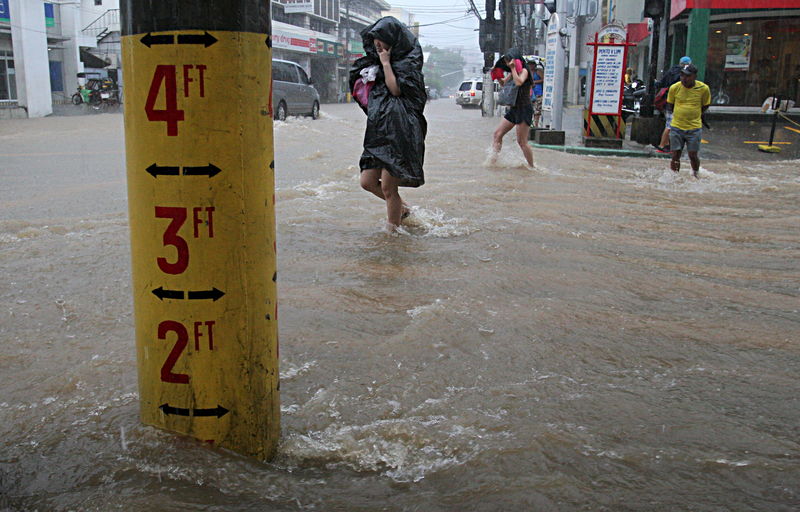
(519,115)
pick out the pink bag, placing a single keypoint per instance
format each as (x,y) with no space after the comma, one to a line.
(361,92)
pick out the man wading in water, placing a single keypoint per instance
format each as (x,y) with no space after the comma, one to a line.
(687,100)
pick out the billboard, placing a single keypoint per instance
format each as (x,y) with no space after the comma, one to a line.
(737,53)
(549,69)
(290,6)
(4,16)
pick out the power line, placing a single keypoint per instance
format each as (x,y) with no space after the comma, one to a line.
(460,18)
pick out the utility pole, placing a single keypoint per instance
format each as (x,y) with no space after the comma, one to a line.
(508,24)
(662,39)
(488,40)
(658,11)
(347,49)
(201,181)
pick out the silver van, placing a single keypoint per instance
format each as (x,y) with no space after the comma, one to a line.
(292,91)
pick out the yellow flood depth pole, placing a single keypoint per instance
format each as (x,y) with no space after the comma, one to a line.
(198,136)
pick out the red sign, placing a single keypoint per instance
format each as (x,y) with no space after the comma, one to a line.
(637,32)
(678,6)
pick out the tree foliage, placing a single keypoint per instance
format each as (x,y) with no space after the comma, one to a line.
(443,68)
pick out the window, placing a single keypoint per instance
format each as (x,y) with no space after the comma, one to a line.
(465,86)
(478,86)
(284,72)
(291,73)
(278,73)
(751,60)
(8,79)
(303,75)
(98,2)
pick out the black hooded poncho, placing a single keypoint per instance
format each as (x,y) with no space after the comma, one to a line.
(395,135)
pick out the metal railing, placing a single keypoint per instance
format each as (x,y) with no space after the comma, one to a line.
(106,23)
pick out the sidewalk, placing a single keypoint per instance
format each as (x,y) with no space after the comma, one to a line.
(728,138)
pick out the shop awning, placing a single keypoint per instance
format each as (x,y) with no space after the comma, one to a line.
(92,61)
(637,32)
(678,6)
(303,40)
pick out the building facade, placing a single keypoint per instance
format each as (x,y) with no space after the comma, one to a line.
(306,32)
(356,15)
(44,45)
(745,50)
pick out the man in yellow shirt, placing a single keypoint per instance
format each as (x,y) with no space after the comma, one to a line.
(687,100)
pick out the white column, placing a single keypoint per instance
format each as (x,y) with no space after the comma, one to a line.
(560,61)
(71,28)
(29,41)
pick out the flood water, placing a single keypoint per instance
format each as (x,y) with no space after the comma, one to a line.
(595,334)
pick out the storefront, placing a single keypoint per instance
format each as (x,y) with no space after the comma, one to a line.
(316,52)
(751,59)
(744,55)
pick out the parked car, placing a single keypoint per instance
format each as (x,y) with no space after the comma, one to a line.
(292,92)
(469,93)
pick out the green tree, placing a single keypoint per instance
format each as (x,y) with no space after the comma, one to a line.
(443,68)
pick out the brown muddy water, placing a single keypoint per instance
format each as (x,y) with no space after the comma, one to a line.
(595,334)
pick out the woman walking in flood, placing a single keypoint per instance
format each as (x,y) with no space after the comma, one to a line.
(389,86)
(520,115)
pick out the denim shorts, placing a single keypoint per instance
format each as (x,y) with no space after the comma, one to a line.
(690,138)
(520,115)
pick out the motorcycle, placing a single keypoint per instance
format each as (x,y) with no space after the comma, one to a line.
(98,92)
(104,93)
(82,96)
(632,96)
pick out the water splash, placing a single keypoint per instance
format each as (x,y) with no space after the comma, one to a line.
(403,449)
(435,223)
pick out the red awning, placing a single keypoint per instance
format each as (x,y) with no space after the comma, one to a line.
(678,6)
(637,32)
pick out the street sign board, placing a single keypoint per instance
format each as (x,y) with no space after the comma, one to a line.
(550,67)
(608,78)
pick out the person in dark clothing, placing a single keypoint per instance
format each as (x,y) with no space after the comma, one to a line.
(520,115)
(536,94)
(671,76)
(394,140)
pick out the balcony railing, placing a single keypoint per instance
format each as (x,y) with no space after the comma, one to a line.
(102,26)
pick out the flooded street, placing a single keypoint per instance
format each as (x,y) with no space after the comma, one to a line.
(595,334)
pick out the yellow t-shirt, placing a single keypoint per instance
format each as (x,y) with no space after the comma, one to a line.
(688,104)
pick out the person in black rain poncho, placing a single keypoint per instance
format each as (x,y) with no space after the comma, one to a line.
(394,141)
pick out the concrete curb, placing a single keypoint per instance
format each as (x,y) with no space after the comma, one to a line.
(581,150)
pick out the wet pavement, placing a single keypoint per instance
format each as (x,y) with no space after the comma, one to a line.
(730,139)
(597,333)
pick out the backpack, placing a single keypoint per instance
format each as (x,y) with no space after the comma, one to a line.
(660,102)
